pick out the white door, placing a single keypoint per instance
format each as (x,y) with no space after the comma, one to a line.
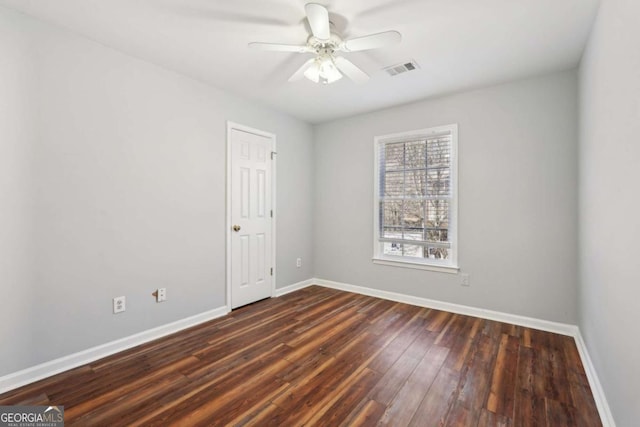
(251,217)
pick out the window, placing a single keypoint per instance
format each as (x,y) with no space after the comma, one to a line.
(415,212)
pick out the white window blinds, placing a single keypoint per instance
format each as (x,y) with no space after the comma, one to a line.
(415,196)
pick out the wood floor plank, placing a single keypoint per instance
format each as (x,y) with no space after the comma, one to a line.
(472,389)
(503,382)
(453,329)
(267,416)
(559,414)
(405,403)
(489,419)
(583,400)
(461,348)
(438,319)
(256,402)
(366,415)
(226,402)
(435,406)
(397,346)
(181,400)
(340,408)
(324,357)
(109,411)
(530,410)
(107,398)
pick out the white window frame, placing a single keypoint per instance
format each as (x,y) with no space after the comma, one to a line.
(445,266)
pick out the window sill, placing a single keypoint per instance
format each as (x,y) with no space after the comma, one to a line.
(417,265)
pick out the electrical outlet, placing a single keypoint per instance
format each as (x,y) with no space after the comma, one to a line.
(162,294)
(119,304)
(299,262)
(464,279)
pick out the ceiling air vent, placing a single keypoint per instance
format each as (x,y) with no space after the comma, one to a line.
(394,70)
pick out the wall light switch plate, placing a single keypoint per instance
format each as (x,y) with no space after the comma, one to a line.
(162,294)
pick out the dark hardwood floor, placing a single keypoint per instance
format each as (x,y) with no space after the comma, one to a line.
(325,357)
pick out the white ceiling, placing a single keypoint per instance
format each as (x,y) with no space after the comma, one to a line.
(459,44)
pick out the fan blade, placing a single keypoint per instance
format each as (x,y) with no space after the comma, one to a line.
(298,75)
(349,69)
(279,47)
(318,17)
(371,41)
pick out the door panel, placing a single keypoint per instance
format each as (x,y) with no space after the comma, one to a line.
(244,260)
(251,234)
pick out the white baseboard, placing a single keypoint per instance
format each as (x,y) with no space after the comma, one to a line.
(529,322)
(38,372)
(47,369)
(291,288)
(594,382)
(544,325)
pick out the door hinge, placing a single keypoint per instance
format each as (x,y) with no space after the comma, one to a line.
(271,213)
(272,271)
(273,155)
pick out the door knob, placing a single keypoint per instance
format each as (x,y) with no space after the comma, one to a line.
(236,228)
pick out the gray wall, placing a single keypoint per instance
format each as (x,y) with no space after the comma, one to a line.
(517,200)
(17,107)
(121,190)
(609,204)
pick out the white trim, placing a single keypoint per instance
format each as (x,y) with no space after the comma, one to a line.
(594,382)
(295,287)
(231,125)
(451,129)
(529,322)
(274,158)
(227,233)
(417,265)
(47,369)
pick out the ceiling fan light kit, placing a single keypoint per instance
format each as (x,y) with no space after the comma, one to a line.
(323,70)
(326,67)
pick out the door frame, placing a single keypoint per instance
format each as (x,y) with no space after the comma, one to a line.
(230,126)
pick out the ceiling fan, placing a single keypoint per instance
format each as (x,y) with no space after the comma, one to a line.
(326,67)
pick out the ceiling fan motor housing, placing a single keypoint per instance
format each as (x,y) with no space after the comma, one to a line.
(334,43)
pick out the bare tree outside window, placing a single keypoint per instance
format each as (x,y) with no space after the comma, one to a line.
(415,193)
